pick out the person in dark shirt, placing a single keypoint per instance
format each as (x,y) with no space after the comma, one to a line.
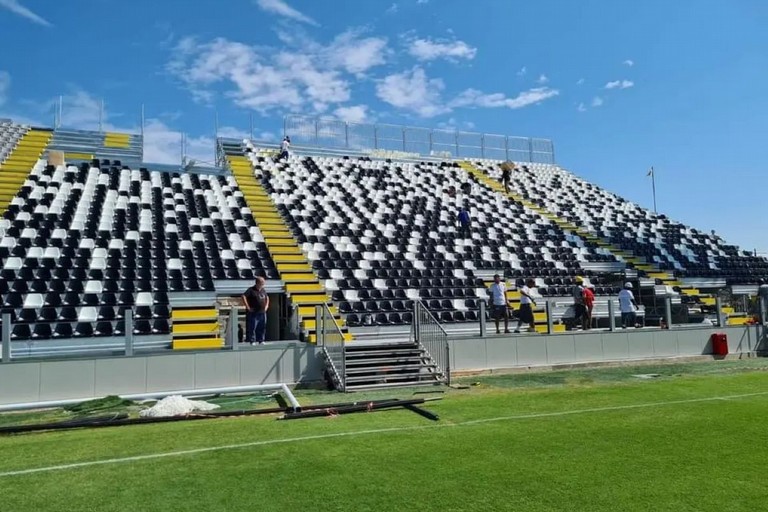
(506,174)
(464,223)
(256,301)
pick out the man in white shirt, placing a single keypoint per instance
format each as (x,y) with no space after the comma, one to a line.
(627,306)
(284,147)
(499,303)
(525,315)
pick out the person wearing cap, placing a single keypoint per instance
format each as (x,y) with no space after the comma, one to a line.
(627,306)
(579,308)
(499,308)
(589,302)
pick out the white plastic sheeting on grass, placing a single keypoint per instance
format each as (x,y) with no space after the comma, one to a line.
(176,405)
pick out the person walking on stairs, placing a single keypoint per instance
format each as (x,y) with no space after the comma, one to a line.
(256,301)
(465,222)
(525,314)
(506,174)
(499,308)
(579,308)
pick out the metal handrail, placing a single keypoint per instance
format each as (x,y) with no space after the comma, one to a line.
(331,339)
(431,337)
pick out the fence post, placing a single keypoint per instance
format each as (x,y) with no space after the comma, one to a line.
(668,311)
(232,327)
(416,322)
(550,320)
(457,143)
(611,316)
(482,145)
(6,337)
(719,311)
(375,137)
(403,140)
(506,148)
(346,135)
(319,327)
(530,150)
(129,332)
(430,142)
(483,327)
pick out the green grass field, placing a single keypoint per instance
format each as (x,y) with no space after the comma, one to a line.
(691,439)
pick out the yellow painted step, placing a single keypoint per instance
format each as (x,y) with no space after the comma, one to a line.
(310,298)
(302,288)
(195,328)
(738,320)
(690,291)
(298,277)
(293,267)
(312,338)
(709,301)
(310,324)
(193,314)
(540,316)
(78,156)
(283,249)
(276,234)
(198,344)
(289,258)
(728,310)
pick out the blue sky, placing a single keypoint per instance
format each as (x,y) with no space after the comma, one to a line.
(618,85)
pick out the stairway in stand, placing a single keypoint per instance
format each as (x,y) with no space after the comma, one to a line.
(196,328)
(650,269)
(383,365)
(16,168)
(301,284)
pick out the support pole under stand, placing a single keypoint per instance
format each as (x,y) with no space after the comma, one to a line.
(6,337)
(668,311)
(611,316)
(550,320)
(483,327)
(232,327)
(129,332)
(719,311)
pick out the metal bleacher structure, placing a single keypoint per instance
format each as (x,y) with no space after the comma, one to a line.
(360,245)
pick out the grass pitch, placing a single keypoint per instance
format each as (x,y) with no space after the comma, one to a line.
(689,439)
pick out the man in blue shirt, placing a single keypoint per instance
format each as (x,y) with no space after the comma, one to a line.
(464,223)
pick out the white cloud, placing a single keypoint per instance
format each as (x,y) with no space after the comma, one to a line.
(422,2)
(353,114)
(305,75)
(580,81)
(475,98)
(542,79)
(283,9)
(412,90)
(15,7)
(454,124)
(620,84)
(427,49)
(522,72)
(629,62)
(355,54)
(392,9)
(597,101)
(5,86)
(581,107)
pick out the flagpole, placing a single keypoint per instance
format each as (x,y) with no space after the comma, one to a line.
(653,184)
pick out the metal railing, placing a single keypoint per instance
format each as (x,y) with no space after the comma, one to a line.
(331,339)
(333,133)
(427,332)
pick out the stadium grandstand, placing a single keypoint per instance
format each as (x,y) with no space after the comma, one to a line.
(98,247)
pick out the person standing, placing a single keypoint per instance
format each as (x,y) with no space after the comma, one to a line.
(256,301)
(762,300)
(579,308)
(589,302)
(506,174)
(525,315)
(284,147)
(465,222)
(627,306)
(499,307)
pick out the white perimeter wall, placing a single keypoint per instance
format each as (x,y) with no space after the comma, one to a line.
(32,381)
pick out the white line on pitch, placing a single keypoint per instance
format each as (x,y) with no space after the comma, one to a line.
(194,451)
